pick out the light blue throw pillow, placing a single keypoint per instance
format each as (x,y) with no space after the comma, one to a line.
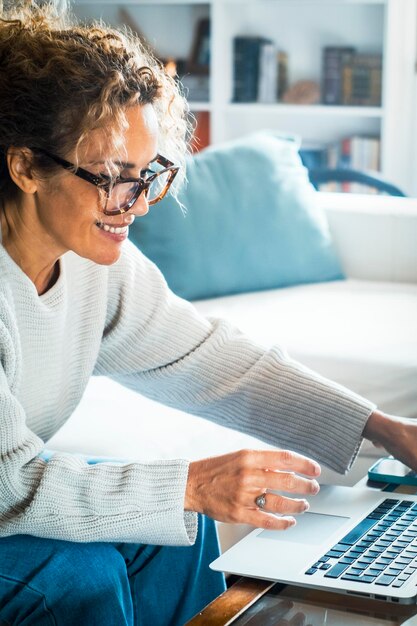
(252,222)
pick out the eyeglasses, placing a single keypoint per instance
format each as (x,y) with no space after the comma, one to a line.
(121,193)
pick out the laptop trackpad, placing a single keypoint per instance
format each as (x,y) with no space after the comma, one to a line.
(315,527)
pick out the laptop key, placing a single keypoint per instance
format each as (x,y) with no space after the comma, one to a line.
(392,535)
(340,547)
(398,567)
(378,565)
(311,571)
(403,576)
(385,580)
(358,579)
(372,571)
(372,553)
(334,554)
(392,572)
(356,533)
(367,559)
(355,571)
(402,561)
(366,578)
(336,570)
(348,560)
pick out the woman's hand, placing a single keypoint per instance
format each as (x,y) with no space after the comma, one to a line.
(225,487)
(398,435)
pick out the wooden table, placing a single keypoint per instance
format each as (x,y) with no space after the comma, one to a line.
(262,603)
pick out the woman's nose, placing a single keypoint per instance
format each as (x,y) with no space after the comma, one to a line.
(141,206)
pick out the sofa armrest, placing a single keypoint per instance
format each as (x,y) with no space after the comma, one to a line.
(375,236)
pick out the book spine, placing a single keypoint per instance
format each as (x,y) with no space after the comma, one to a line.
(282,81)
(246,69)
(268,73)
(334,59)
(345,161)
(362,80)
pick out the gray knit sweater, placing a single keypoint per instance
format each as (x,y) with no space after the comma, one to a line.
(122,321)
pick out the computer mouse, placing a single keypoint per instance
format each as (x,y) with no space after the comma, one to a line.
(411,621)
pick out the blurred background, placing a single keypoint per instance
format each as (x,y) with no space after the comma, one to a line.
(340,74)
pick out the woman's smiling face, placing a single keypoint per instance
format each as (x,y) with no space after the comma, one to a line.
(69,210)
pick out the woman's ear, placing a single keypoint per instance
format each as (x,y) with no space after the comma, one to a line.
(19,161)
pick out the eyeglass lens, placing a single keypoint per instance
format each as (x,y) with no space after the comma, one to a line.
(123,193)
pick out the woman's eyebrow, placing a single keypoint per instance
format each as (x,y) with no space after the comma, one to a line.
(123,164)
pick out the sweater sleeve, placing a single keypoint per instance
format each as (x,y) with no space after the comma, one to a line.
(66,498)
(158,345)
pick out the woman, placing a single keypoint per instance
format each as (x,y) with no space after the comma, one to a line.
(87,118)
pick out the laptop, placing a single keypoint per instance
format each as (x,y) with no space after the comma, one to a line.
(352,541)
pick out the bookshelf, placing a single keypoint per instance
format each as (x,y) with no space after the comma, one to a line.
(301,28)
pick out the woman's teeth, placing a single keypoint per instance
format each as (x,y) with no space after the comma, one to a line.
(119,230)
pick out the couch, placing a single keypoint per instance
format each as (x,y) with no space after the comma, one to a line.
(360,331)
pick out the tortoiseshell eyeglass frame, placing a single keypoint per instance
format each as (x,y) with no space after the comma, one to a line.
(107,184)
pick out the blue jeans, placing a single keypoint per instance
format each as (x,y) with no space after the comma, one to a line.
(49,582)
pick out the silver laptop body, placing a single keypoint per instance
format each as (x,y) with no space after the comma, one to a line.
(338,513)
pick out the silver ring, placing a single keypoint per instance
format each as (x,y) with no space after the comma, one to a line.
(260,501)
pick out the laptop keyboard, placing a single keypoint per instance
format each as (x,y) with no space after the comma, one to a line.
(381,549)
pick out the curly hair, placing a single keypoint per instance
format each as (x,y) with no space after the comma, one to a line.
(60,79)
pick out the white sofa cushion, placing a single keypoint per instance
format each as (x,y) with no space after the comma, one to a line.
(361,334)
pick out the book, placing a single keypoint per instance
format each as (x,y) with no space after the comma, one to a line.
(246,66)
(334,58)
(268,73)
(357,152)
(260,70)
(282,83)
(362,80)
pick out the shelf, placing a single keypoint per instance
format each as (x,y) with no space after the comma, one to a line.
(303,109)
(302,28)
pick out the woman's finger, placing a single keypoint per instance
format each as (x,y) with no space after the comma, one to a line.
(285,460)
(226,487)
(269,521)
(282,505)
(287,481)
